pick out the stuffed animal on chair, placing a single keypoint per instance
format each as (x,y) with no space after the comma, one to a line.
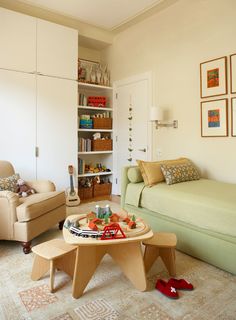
(23,189)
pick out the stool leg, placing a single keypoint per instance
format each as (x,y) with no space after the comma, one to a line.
(168,257)
(40,267)
(151,253)
(66,263)
(52,275)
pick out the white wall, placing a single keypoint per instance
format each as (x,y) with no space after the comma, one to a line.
(89,54)
(172,44)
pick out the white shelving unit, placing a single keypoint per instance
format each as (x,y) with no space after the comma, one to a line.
(105,158)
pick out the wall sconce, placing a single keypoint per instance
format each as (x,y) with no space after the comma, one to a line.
(156,114)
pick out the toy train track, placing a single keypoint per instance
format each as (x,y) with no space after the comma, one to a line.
(87,233)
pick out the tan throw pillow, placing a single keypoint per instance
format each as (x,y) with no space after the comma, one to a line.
(9,183)
(175,173)
(151,170)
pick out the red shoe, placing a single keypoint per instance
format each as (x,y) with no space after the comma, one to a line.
(180,284)
(166,289)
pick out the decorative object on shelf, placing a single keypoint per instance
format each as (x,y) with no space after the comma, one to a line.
(105,76)
(233,117)
(214,118)
(213,77)
(233,73)
(93,72)
(156,114)
(130,118)
(87,71)
(97,101)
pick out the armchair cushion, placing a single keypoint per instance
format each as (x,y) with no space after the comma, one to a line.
(41,186)
(9,183)
(39,204)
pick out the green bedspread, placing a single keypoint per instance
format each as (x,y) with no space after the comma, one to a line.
(204,203)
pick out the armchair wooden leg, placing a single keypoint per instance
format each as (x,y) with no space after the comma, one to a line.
(26,247)
(61,224)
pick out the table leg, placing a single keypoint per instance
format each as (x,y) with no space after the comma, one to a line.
(87,260)
(129,257)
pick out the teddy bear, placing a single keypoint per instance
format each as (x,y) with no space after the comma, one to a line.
(23,189)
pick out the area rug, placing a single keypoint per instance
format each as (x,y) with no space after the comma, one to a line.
(110,295)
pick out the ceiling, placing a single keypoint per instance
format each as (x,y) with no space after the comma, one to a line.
(107,14)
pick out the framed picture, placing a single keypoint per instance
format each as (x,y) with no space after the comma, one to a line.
(214,118)
(233,117)
(213,77)
(87,71)
(233,73)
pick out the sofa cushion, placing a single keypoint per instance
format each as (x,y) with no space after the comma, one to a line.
(134,175)
(207,204)
(175,173)
(151,170)
(38,204)
(9,183)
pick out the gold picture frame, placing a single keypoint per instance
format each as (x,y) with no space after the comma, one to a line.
(213,77)
(214,118)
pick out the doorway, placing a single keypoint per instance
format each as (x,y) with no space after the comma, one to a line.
(133,139)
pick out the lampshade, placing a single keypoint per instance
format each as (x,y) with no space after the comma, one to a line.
(156,113)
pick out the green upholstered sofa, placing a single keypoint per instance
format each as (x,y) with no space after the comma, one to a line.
(201,213)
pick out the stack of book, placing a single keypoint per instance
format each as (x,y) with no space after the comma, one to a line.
(82,100)
(81,166)
(85,145)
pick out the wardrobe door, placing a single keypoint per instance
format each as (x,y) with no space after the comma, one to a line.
(57,50)
(18,121)
(17,41)
(56,129)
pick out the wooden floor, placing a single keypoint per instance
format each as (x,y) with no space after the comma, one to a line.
(113,198)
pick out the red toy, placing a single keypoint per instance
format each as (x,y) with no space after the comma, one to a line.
(112,232)
(93,226)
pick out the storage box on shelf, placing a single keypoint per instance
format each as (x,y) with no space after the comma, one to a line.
(85,193)
(102,189)
(102,145)
(102,123)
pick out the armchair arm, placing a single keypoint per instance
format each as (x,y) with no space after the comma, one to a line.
(8,203)
(41,186)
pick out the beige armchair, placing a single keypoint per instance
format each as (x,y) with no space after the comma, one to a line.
(22,219)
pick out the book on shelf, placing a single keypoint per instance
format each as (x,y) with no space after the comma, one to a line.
(81,166)
(82,100)
(85,145)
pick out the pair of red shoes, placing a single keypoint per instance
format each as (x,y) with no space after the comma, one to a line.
(169,288)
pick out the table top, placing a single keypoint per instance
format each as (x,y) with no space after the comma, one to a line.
(70,238)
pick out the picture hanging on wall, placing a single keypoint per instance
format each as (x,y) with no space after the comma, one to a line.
(233,73)
(233,117)
(214,118)
(213,77)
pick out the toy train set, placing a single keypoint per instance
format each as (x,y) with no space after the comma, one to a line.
(102,224)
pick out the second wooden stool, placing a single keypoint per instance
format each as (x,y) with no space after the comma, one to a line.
(161,245)
(51,255)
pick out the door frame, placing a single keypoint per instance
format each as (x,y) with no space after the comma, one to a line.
(123,82)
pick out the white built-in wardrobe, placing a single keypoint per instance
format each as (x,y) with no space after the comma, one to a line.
(38,97)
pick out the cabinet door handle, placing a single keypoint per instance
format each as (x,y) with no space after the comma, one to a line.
(143,150)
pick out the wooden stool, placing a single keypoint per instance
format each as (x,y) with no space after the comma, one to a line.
(161,245)
(51,255)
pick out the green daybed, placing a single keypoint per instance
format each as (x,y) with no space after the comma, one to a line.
(202,213)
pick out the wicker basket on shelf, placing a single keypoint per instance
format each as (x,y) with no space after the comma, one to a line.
(102,189)
(102,145)
(85,193)
(102,123)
